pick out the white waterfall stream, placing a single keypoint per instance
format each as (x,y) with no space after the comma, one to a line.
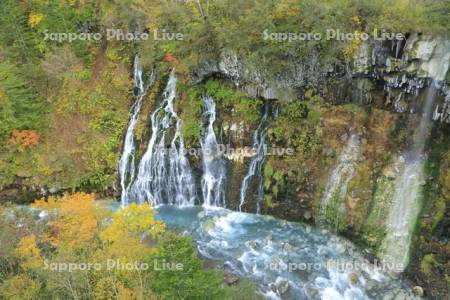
(127,161)
(164,174)
(332,205)
(257,162)
(214,168)
(406,202)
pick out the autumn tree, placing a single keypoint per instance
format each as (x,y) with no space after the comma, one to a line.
(20,287)
(73,219)
(29,253)
(24,139)
(135,221)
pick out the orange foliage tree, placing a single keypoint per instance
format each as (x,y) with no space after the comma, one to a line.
(24,139)
(82,231)
(74,219)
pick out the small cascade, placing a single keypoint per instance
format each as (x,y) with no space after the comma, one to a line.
(257,162)
(164,174)
(406,201)
(332,205)
(214,168)
(127,160)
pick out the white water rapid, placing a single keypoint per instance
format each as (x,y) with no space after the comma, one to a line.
(286,260)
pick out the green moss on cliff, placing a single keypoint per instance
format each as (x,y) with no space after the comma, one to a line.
(191,111)
(234,103)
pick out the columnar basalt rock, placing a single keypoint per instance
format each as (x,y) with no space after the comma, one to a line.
(395,70)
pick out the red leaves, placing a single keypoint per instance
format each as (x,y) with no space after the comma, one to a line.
(169,57)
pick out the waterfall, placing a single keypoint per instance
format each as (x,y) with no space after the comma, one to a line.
(407,196)
(127,161)
(256,163)
(214,168)
(332,205)
(164,174)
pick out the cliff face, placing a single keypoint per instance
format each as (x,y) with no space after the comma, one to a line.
(388,75)
(378,95)
(375,98)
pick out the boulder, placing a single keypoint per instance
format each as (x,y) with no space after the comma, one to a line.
(418,291)
(353,277)
(311,292)
(230,279)
(282,286)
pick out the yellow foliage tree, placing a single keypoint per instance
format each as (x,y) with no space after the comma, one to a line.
(35,19)
(75,220)
(29,253)
(135,221)
(122,244)
(352,47)
(109,288)
(75,223)
(20,287)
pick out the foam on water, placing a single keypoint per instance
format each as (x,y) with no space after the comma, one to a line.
(263,248)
